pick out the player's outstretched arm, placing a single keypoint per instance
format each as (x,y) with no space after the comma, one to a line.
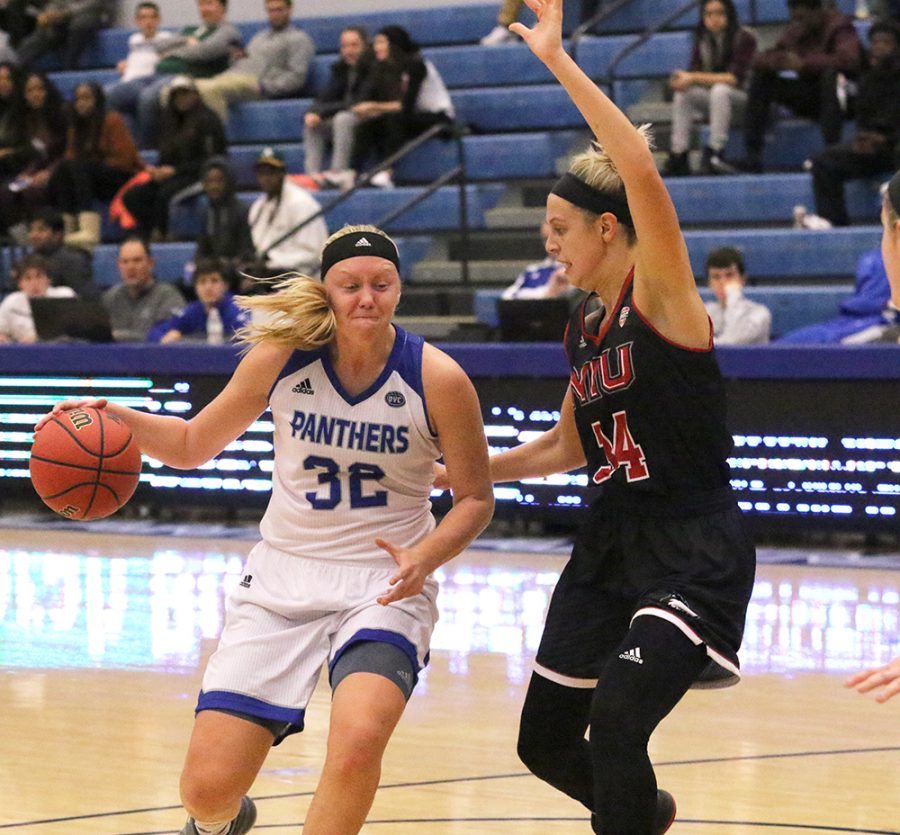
(887,678)
(664,281)
(455,414)
(188,444)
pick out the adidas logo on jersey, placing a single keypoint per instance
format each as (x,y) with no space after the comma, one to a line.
(632,655)
(362,242)
(303,387)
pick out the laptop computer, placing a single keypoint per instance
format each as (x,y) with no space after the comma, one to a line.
(70,320)
(533,320)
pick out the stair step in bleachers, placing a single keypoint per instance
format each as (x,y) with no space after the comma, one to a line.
(791,308)
(786,255)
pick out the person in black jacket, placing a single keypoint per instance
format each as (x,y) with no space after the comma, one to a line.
(330,120)
(225,232)
(191,133)
(872,149)
(407,97)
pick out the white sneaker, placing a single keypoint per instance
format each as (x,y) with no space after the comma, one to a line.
(344,180)
(382,180)
(804,219)
(800,214)
(498,35)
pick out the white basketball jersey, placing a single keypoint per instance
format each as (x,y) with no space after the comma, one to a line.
(350,468)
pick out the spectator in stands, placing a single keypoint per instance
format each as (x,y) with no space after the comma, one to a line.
(69,24)
(800,72)
(274,217)
(890,250)
(225,231)
(100,157)
(67,266)
(191,134)
(214,317)
(44,121)
(16,322)
(17,20)
(138,302)
(544,280)
(872,149)
(736,320)
(13,146)
(200,51)
(138,67)
(509,13)
(859,312)
(274,65)
(330,119)
(423,101)
(713,83)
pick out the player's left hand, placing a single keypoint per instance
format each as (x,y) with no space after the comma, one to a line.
(409,579)
(886,677)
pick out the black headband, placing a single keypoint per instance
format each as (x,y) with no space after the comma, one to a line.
(893,191)
(580,194)
(354,244)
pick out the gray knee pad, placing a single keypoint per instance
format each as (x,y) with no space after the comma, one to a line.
(377,657)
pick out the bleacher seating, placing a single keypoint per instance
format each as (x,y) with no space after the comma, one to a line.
(520,125)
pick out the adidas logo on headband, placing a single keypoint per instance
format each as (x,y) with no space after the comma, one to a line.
(362,242)
(345,246)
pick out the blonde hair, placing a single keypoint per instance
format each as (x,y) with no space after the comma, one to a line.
(297,313)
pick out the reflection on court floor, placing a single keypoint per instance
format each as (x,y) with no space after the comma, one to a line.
(64,609)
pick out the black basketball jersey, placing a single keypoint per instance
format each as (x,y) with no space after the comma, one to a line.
(650,413)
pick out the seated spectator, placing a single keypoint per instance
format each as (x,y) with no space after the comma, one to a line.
(100,157)
(330,121)
(44,141)
(713,83)
(274,217)
(544,280)
(871,151)
(13,146)
(800,72)
(214,317)
(736,320)
(225,231)
(888,330)
(273,66)
(17,20)
(139,301)
(509,13)
(138,67)
(191,134)
(16,322)
(198,51)
(421,101)
(69,24)
(67,266)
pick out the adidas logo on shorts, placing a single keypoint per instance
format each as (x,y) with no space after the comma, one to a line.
(632,655)
(303,387)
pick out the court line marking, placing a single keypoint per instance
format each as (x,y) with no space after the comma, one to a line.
(516,774)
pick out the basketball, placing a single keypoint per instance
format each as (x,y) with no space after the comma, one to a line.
(85,463)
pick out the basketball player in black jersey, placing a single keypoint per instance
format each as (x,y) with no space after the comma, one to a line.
(653,599)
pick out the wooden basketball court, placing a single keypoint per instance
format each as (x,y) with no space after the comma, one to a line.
(104,638)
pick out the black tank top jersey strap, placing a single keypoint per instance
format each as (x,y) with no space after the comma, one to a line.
(650,413)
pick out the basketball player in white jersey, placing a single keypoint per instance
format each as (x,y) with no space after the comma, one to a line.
(343,572)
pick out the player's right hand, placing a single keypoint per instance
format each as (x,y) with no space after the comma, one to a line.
(67,405)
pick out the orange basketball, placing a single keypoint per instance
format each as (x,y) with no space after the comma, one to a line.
(85,463)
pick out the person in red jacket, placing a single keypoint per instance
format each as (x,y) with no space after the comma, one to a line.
(100,157)
(800,72)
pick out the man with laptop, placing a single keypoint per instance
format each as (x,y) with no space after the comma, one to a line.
(33,281)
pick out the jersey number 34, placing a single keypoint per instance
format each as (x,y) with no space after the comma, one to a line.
(621,451)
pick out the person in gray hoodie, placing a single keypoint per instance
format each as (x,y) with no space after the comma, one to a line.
(274,65)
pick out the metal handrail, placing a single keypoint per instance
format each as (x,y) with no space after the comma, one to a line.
(641,39)
(415,142)
(599,16)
